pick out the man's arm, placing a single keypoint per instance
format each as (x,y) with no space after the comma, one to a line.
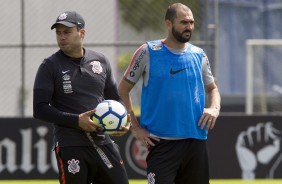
(211,113)
(43,110)
(124,89)
(139,133)
(214,96)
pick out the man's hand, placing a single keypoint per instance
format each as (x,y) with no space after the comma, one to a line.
(208,118)
(85,122)
(143,136)
(124,129)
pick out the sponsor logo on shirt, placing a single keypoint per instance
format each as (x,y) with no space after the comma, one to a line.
(67,87)
(136,63)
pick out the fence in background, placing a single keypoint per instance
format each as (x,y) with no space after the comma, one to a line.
(26,38)
(117,28)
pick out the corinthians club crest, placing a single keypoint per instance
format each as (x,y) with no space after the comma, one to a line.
(73,166)
(96,67)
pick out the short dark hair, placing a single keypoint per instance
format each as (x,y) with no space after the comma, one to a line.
(171,11)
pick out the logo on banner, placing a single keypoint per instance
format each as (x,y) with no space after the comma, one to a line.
(259,151)
(136,154)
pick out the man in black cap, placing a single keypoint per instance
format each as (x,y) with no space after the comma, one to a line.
(68,86)
(69,19)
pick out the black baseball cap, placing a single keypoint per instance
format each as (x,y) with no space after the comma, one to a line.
(69,19)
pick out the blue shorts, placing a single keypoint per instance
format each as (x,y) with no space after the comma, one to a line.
(182,161)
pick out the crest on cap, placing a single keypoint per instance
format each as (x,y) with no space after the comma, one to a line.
(63,16)
(69,19)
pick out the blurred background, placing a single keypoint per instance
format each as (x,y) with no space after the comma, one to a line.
(118,27)
(242,39)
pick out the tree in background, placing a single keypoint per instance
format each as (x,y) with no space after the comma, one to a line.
(144,15)
(148,16)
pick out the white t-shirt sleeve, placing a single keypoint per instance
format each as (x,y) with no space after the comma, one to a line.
(139,65)
(206,71)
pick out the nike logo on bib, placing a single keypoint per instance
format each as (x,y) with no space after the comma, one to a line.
(172,72)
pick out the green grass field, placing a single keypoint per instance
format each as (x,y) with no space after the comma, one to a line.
(220,181)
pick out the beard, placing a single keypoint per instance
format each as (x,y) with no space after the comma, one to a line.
(179,36)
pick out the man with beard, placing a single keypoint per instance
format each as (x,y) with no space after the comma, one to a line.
(174,122)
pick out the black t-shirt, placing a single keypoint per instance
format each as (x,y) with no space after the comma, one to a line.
(65,87)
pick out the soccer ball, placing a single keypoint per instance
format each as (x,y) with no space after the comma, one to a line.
(111,115)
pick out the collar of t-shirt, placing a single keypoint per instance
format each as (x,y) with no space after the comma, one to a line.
(177,51)
(75,60)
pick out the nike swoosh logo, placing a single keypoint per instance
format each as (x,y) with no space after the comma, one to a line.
(172,72)
(63,72)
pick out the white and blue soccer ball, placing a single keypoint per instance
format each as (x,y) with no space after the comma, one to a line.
(111,115)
